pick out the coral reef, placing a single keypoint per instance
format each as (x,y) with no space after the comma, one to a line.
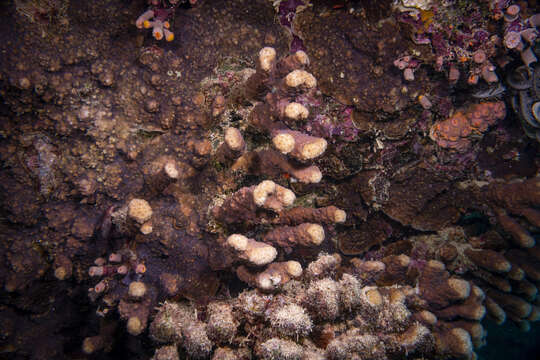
(285,180)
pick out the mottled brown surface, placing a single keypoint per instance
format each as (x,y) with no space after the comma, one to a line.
(88,103)
(352,58)
(413,196)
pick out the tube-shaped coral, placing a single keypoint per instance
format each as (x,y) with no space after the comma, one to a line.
(254,252)
(272,163)
(306,234)
(298,145)
(489,260)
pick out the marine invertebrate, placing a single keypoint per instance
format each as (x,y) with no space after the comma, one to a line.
(508,288)
(456,131)
(338,323)
(158,17)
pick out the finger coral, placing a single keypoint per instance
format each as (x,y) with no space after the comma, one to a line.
(326,318)
(502,288)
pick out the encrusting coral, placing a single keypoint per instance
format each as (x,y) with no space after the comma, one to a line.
(456,131)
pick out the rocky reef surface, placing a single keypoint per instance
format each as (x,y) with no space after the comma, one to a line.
(267,179)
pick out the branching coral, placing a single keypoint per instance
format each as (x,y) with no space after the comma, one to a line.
(277,83)
(506,278)
(323,317)
(245,205)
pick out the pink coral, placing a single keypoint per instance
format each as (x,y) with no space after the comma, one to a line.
(455,132)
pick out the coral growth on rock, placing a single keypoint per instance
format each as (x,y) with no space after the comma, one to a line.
(208,198)
(324,316)
(456,131)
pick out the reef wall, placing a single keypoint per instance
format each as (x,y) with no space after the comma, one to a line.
(274,180)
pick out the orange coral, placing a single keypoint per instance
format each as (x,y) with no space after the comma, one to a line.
(455,132)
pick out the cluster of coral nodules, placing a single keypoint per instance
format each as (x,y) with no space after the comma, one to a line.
(462,37)
(457,131)
(325,316)
(520,33)
(121,274)
(157,16)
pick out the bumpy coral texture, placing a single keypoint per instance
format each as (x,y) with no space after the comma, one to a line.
(333,317)
(456,131)
(273,88)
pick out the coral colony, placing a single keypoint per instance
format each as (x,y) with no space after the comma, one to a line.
(287,180)
(428,300)
(158,17)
